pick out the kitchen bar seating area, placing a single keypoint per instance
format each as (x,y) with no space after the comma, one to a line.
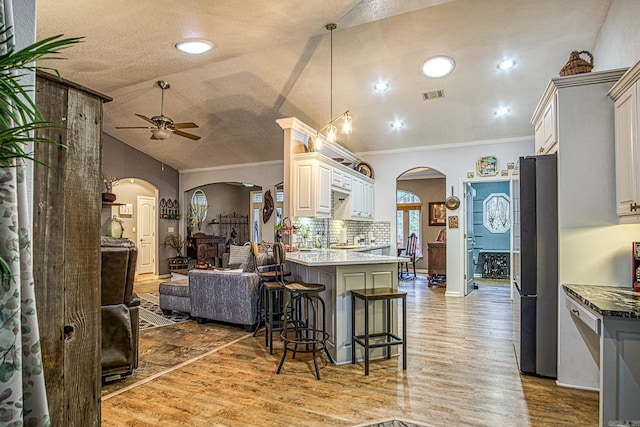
(461,370)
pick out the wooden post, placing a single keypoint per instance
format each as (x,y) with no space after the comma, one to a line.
(66,250)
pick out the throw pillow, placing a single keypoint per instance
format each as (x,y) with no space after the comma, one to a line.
(265,247)
(250,265)
(239,254)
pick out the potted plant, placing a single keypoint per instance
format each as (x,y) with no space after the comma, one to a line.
(176,241)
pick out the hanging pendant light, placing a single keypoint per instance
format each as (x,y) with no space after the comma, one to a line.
(347,122)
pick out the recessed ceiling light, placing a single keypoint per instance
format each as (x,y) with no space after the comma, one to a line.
(397,124)
(506,64)
(194,47)
(381,86)
(503,111)
(438,66)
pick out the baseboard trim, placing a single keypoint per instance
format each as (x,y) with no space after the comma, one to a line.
(577,387)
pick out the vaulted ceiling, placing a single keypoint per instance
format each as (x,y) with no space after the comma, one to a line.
(271,59)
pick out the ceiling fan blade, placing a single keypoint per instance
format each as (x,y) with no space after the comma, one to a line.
(134,127)
(184,125)
(146,118)
(187,135)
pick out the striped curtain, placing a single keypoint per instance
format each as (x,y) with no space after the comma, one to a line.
(23,399)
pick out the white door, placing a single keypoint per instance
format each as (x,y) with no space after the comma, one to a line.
(470,238)
(146,234)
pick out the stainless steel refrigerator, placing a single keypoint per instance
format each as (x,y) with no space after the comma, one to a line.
(536,305)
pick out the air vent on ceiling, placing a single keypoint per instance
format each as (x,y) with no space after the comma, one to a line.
(433,94)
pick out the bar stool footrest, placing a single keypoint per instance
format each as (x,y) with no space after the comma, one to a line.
(360,339)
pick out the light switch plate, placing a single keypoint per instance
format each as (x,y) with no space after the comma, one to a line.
(170,230)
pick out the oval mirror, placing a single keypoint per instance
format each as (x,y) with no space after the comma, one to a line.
(199,207)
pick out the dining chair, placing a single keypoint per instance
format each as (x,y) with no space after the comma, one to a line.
(410,255)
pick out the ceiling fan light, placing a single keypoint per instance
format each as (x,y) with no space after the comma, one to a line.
(347,124)
(194,47)
(159,133)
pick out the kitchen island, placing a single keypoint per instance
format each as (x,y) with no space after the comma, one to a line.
(342,271)
(612,313)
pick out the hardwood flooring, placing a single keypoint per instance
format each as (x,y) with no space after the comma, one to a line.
(461,372)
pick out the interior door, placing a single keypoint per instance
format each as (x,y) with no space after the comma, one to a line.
(146,235)
(470,193)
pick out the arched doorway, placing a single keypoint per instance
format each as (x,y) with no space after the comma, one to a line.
(135,207)
(417,190)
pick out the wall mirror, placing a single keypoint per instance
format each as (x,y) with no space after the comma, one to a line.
(199,207)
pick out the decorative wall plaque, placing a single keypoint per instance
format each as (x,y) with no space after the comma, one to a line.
(487,166)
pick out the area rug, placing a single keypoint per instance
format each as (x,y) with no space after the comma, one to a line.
(151,315)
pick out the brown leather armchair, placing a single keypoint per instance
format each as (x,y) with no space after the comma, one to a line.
(119,307)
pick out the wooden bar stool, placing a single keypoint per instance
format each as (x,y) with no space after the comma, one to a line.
(390,339)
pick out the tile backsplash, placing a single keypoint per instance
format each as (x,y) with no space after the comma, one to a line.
(329,231)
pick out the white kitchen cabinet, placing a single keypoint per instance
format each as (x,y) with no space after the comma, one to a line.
(545,122)
(316,176)
(357,198)
(312,188)
(359,205)
(626,96)
(368,201)
(341,181)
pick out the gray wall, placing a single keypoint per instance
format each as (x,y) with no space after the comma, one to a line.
(123,161)
(223,199)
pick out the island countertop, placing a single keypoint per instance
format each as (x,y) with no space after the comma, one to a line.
(607,300)
(320,257)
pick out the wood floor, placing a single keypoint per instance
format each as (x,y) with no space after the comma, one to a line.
(461,372)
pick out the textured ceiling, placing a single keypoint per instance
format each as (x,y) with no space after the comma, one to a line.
(271,60)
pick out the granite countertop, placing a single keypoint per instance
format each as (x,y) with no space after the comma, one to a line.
(607,300)
(320,257)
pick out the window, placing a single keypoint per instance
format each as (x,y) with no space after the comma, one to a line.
(409,208)
(496,213)
(256,208)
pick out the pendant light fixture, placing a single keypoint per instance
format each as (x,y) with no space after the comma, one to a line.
(347,122)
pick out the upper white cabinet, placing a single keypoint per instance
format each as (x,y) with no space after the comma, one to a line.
(360,204)
(545,122)
(311,188)
(315,177)
(626,96)
(340,180)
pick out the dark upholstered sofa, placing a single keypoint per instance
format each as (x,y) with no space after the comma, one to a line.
(119,307)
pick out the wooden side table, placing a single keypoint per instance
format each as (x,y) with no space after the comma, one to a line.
(203,247)
(437,261)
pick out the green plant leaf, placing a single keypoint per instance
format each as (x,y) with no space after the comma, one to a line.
(20,119)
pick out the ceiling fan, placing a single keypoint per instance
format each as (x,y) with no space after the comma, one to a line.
(163,126)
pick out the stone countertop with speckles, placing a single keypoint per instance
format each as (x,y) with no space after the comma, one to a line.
(607,300)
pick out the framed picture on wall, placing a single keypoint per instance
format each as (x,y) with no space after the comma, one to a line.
(437,214)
